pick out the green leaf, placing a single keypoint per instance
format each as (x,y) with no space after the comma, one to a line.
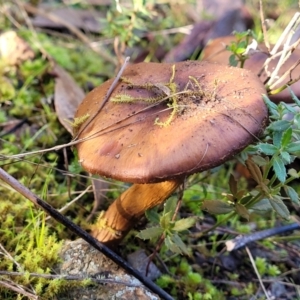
(170,205)
(75,167)
(271,106)
(242,211)
(297,120)
(293,173)
(279,125)
(216,207)
(292,194)
(180,244)
(286,137)
(279,207)
(279,169)
(289,107)
(293,147)
(259,160)
(267,149)
(165,220)
(241,34)
(233,61)
(240,50)
(172,245)
(250,150)
(204,190)
(232,47)
(277,136)
(242,44)
(150,233)
(286,157)
(152,215)
(294,97)
(184,224)
(262,206)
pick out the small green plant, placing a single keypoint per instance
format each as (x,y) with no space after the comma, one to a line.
(126,22)
(7,90)
(261,265)
(187,283)
(168,228)
(267,162)
(266,269)
(239,47)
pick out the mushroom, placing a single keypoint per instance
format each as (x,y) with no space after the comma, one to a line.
(162,123)
(217,52)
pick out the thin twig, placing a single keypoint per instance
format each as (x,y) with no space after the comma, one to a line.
(70,277)
(67,206)
(257,273)
(5,11)
(66,165)
(18,290)
(20,268)
(263,25)
(7,254)
(288,72)
(268,60)
(286,35)
(287,30)
(153,254)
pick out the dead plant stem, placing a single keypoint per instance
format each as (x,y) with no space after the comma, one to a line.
(257,273)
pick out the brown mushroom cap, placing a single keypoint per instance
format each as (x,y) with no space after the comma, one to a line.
(211,126)
(216,52)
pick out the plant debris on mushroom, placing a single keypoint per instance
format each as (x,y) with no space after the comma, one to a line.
(216,51)
(161,123)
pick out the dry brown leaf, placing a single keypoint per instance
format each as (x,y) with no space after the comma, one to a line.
(86,20)
(67,97)
(192,42)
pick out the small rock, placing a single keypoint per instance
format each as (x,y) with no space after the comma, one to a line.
(82,260)
(277,290)
(139,261)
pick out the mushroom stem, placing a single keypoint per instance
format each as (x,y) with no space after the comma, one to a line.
(122,214)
